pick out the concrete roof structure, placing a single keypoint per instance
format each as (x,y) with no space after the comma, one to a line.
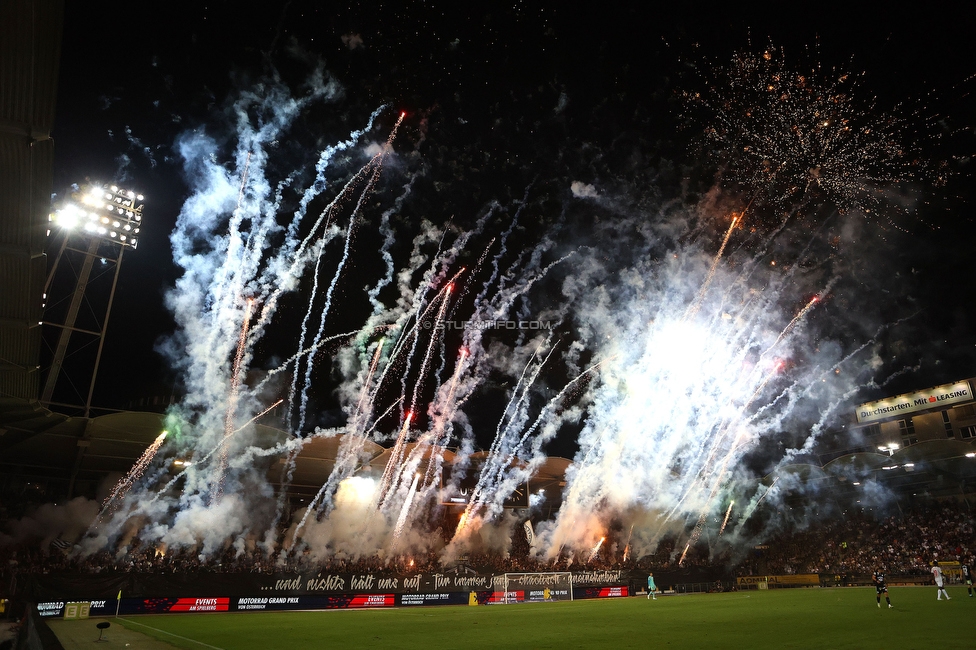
(30,50)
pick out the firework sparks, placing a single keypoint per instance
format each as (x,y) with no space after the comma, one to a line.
(114,500)
(396,457)
(232,399)
(696,305)
(596,549)
(726,520)
(367,382)
(435,337)
(404,512)
(791,135)
(630,535)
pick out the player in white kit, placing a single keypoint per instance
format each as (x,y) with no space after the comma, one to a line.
(937,574)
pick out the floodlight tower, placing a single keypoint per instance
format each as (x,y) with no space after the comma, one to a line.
(108,219)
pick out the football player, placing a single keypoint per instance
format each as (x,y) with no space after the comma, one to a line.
(937,574)
(967,577)
(881,587)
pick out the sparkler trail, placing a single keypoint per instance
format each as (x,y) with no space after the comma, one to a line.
(596,549)
(435,336)
(309,350)
(751,508)
(293,389)
(448,406)
(726,519)
(630,536)
(377,163)
(220,445)
(708,473)
(235,383)
(114,500)
(796,319)
(413,336)
(444,411)
(347,461)
(383,415)
(501,460)
(396,456)
(695,535)
(497,459)
(404,511)
(696,305)
(367,382)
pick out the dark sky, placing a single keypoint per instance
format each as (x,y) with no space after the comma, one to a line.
(486,78)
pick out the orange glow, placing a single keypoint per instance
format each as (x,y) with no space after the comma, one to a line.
(461,521)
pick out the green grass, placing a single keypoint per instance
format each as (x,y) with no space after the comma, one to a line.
(797,618)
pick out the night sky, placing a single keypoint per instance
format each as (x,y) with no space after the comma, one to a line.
(501,99)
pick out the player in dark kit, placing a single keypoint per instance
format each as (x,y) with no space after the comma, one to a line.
(967,577)
(880,587)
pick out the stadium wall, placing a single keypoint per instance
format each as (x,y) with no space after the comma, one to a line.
(135,593)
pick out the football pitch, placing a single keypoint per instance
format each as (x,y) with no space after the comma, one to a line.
(792,618)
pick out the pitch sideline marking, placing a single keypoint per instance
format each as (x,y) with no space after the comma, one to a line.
(171,634)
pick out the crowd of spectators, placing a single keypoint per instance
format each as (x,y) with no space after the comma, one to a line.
(856,543)
(902,544)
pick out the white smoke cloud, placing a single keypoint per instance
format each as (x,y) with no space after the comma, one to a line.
(50,521)
(352,41)
(583,190)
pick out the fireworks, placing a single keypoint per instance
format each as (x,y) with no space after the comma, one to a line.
(596,549)
(396,457)
(235,382)
(726,519)
(404,512)
(114,500)
(668,363)
(789,137)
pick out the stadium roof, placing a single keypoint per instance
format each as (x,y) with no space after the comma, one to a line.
(30,44)
(935,468)
(410,451)
(63,455)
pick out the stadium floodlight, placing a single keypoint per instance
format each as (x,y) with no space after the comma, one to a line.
(109,213)
(97,215)
(69,217)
